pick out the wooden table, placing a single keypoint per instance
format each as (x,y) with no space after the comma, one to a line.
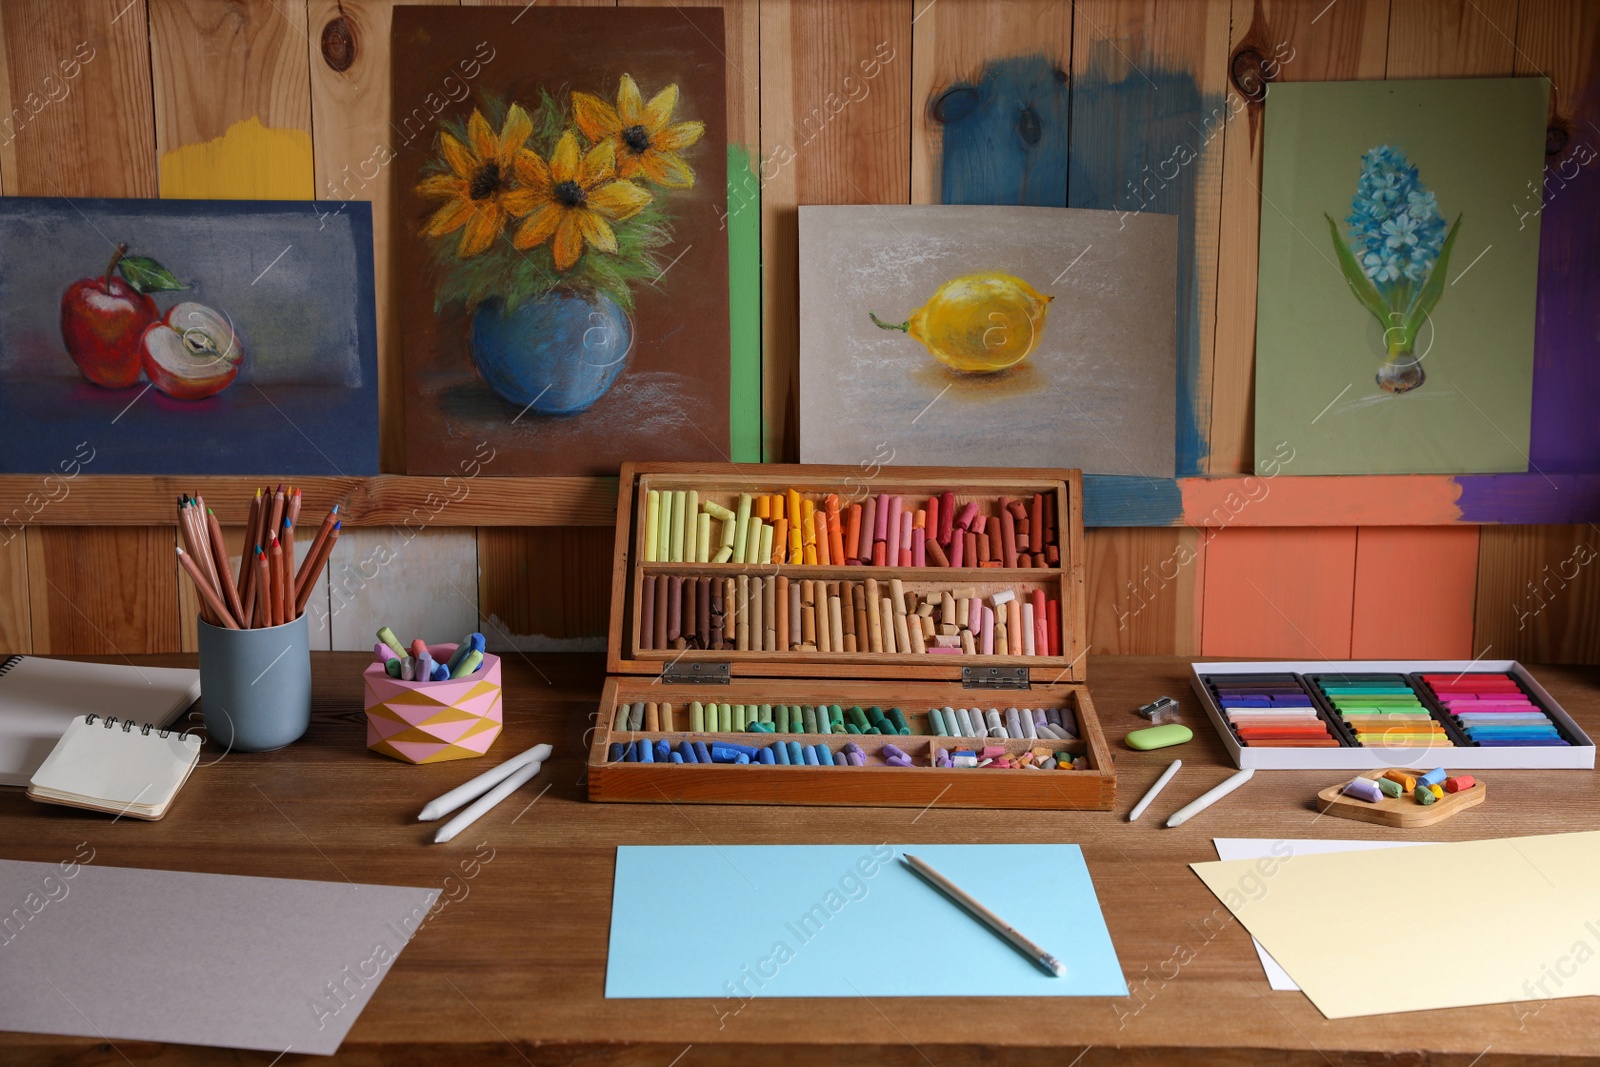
(511,968)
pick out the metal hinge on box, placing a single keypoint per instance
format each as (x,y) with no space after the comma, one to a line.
(994,678)
(696,672)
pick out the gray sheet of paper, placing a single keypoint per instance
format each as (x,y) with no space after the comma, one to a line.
(117,953)
(1097,392)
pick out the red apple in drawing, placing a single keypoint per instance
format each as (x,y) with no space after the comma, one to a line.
(102,320)
(192,353)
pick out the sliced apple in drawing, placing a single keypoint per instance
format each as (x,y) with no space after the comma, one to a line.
(192,353)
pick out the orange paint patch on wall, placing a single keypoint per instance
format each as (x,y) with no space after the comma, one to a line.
(1415,591)
(1393,500)
(249,162)
(1279,593)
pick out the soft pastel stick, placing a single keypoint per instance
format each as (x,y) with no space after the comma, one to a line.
(741,524)
(820,536)
(389,639)
(869,521)
(652,524)
(891,530)
(469,663)
(852,532)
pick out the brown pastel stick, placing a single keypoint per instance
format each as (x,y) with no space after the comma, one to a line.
(885,616)
(824,632)
(647,614)
(660,618)
(978,548)
(652,717)
(795,629)
(741,614)
(1024,560)
(1052,555)
(756,605)
(936,554)
(874,619)
(902,634)
(836,621)
(1036,522)
(674,607)
(1008,539)
(781,610)
(718,615)
(808,613)
(703,612)
(775,611)
(691,598)
(996,544)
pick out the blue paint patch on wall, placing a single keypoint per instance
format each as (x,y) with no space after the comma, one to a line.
(1137,138)
(1124,500)
(1005,138)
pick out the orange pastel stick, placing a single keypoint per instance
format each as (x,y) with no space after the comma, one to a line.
(780,541)
(824,550)
(835,532)
(852,531)
(763,507)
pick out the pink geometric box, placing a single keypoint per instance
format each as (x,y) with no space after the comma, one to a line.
(430,722)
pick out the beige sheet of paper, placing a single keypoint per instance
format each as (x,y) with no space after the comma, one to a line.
(1437,926)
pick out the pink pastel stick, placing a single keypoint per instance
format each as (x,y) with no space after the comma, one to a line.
(980,523)
(974,611)
(938,651)
(919,551)
(1029,645)
(957,549)
(881,520)
(383,652)
(904,538)
(988,630)
(969,511)
(868,519)
(891,530)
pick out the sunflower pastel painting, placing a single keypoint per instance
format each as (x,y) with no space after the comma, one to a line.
(563,277)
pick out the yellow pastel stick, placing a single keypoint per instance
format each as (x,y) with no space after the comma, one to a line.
(717,511)
(680,513)
(765,552)
(652,524)
(702,539)
(741,522)
(664,528)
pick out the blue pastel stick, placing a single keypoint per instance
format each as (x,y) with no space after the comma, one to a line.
(646,751)
(628,754)
(741,758)
(440,672)
(765,756)
(702,754)
(780,753)
(663,752)
(675,757)
(463,648)
(824,755)
(614,752)
(810,754)
(688,752)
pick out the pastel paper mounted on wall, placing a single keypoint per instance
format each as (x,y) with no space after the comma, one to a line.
(988,337)
(187,337)
(1395,308)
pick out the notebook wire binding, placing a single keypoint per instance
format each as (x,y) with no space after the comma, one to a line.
(111,721)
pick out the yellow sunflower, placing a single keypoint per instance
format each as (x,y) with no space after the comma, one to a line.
(478,188)
(645,138)
(571,198)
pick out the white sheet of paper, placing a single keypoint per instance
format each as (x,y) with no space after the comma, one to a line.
(1250,848)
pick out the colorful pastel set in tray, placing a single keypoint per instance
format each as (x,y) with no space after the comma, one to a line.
(840,662)
(1368,714)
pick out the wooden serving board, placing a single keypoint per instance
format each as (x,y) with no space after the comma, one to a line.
(1401,811)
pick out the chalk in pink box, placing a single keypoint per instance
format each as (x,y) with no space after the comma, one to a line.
(430,722)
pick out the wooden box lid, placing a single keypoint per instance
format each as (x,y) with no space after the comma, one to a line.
(723,483)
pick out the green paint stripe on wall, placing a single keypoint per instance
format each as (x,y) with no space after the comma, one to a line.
(744,307)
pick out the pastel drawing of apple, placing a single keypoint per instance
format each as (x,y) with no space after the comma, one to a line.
(192,353)
(104,318)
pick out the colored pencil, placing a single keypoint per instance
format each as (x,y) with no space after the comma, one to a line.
(305,575)
(289,590)
(207,595)
(220,550)
(275,578)
(317,564)
(247,559)
(263,596)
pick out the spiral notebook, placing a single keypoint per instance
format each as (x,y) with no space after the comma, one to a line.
(39,697)
(121,766)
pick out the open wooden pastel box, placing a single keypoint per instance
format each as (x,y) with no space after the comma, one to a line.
(1005,629)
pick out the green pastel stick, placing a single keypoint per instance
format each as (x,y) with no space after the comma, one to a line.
(781,717)
(859,717)
(392,668)
(765,714)
(469,663)
(808,716)
(387,636)
(741,718)
(697,717)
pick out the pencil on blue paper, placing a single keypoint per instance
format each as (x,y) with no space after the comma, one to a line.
(1005,930)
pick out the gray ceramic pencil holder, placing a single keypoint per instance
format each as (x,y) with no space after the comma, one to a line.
(255,685)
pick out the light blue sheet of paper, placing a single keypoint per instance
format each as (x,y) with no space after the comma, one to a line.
(736,922)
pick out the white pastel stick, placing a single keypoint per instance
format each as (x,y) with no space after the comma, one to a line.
(442,806)
(481,806)
(1150,794)
(1210,797)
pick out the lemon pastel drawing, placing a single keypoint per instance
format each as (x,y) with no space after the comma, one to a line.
(978,323)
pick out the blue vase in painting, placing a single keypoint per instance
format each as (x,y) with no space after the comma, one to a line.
(555,354)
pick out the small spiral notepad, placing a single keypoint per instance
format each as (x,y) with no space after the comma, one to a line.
(107,764)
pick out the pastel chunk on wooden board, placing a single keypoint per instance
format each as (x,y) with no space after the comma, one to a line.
(1415,590)
(1279,592)
(421,583)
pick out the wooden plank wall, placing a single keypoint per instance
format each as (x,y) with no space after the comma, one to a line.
(290,99)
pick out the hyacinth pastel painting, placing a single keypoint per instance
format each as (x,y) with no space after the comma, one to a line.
(1396,259)
(563,279)
(1396,291)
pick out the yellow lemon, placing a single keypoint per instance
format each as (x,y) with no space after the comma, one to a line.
(979,323)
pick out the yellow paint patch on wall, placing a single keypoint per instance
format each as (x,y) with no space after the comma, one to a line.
(249,162)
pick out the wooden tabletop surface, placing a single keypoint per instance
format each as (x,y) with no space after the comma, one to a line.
(511,968)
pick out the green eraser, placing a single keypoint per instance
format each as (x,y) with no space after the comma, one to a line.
(1170,734)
